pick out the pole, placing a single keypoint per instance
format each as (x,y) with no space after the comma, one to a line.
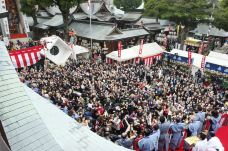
(90,28)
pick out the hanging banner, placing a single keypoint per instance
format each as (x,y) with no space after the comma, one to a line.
(201,48)
(3,6)
(4,21)
(203,62)
(119,48)
(189,57)
(26,25)
(178,30)
(141,47)
(165,42)
(6,26)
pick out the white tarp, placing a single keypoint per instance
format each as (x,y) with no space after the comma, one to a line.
(57,50)
(218,55)
(68,133)
(79,50)
(149,50)
(126,54)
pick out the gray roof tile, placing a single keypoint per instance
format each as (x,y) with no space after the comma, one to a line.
(22,124)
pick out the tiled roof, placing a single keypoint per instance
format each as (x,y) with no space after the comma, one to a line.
(32,123)
(71,135)
(203,29)
(102,31)
(22,124)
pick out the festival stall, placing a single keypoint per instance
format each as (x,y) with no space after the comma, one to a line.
(79,51)
(200,61)
(25,57)
(149,53)
(217,65)
(192,42)
(182,56)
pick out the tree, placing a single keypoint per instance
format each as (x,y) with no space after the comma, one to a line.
(28,7)
(64,7)
(221,15)
(155,8)
(188,13)
(127,4)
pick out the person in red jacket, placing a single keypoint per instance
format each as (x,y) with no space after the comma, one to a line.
(136,140)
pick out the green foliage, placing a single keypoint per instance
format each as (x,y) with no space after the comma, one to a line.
(187,12)
(221,15)
(127,4)
(28,6)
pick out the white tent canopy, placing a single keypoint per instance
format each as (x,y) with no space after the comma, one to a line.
(217,61)
(149,49)
(126,54)
(79,50)
(218,55)
(197,58)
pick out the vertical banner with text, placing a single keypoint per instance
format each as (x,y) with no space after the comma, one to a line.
(203,62)
(26,25)
(189,58)
(4,21)
(141,47)
(119,49)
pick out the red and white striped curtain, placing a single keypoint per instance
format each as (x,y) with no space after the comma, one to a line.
(137,60)
(109,61)
(147,61)
(150,60)
(26,57)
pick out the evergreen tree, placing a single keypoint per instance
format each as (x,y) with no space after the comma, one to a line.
(187,13)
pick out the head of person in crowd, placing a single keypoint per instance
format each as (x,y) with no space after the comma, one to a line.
(120,100)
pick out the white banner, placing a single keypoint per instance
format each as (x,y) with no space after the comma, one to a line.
(2,6)
(26,25)
(6,26)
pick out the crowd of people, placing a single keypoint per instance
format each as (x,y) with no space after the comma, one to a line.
(138,107)
(18,45)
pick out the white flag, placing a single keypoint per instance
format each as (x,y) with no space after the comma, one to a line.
(26,25)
